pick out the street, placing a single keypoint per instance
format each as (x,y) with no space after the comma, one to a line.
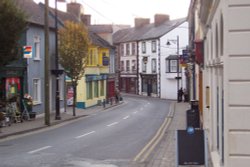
(112,138)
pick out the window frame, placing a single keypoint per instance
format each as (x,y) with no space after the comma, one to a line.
(153,46)
(37,47)
(36,90)
(144,47)
(153,63)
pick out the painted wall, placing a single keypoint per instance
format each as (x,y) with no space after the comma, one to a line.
(227,76)
(168,81)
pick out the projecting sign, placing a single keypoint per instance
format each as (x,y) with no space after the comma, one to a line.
(27,52)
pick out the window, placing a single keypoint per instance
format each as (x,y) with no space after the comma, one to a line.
(171,66)
(144,66)
(122,65)
(153,46)
(133,65)
(133,49)
(90,60)
(37,49)
(127,65)
(102,87)
(143,47)
(96,89)
(37,90)
(122,50)
(153,65)
(127,49)
(89,90)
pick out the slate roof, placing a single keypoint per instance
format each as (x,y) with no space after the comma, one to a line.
(149,31)
(101,28)
(35,15)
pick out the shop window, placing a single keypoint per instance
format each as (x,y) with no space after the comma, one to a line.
(102,87)
(96,89)
(89,90)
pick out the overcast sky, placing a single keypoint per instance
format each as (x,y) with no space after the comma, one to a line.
(124,11)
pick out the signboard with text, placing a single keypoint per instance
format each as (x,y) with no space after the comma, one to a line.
(27,52)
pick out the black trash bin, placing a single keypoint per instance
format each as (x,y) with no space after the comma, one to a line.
(193,119)
(193,115)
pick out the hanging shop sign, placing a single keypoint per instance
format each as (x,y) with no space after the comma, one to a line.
(27,52)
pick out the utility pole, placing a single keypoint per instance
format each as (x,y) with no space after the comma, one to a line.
(46,65)
(57,116)
(178,67)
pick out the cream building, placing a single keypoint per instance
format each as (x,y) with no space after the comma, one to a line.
(224,29)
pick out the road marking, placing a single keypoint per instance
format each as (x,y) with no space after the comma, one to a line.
(86,134)
(126,117)
(112,124)
(135,112)
(39,149)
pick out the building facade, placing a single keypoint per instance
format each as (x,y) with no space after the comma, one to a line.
(224,85)
(142,55)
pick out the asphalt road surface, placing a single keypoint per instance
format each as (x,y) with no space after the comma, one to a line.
(111,138)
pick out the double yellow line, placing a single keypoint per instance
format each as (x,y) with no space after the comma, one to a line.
(147,150)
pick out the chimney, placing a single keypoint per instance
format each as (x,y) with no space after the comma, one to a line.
(160,18)
(140,22)
(86,19)
(76,9)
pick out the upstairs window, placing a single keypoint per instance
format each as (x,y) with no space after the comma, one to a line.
(171,66)
(127,49)
(133,65)
(143,47)
(37,46)
(153,46)
(127,65)
(133,49)
(153,65)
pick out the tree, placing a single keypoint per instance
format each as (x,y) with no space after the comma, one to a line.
(12,21)
(73,52)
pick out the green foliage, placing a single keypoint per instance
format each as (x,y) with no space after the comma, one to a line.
(73,49)
(12,21)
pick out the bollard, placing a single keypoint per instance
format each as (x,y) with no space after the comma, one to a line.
(104,103)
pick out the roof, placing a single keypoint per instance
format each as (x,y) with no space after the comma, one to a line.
(35,14)
(149,31)
(97,40)
(101,28)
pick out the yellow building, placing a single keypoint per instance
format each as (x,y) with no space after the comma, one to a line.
(92,88)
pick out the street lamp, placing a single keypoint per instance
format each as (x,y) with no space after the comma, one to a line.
(57,72)
(178,57)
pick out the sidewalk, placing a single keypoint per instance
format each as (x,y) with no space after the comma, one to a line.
(39,123)
(165,153)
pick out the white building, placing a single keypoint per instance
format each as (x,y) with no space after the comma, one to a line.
(223,27)
(143,51)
